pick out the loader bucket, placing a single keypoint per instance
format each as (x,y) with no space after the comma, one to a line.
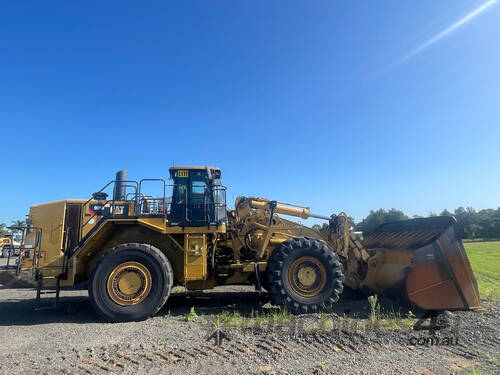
(440,276)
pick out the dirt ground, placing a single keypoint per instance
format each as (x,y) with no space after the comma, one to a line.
(74,340)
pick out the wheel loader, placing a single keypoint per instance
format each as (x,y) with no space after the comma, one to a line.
(130,249)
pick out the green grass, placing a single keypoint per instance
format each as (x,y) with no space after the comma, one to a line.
(484,258)
(478,372)
(191,315)
(233,319)
(388,319)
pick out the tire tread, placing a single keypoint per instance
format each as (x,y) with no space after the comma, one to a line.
(275,265)
(153,251)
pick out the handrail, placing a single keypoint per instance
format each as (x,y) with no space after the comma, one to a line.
(145,205)
(114,181)
(127,183)
(94,215)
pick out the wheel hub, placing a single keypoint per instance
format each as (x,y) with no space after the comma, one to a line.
(129,283)
(307,276)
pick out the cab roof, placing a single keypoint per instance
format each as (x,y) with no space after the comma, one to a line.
(193,168)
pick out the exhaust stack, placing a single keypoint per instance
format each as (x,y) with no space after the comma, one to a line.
(120,190)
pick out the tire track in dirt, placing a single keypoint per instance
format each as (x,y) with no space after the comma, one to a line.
(259,349)
(317,346)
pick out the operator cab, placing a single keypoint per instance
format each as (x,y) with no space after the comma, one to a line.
(198,198)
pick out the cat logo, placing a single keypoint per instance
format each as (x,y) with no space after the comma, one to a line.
(108,209)
(183,173)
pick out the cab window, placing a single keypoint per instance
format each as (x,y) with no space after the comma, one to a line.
(198,189)
(179,196)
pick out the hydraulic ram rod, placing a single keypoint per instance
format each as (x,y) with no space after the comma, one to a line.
(286,209)
(319,216)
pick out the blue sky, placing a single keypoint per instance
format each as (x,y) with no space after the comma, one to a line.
(320,103)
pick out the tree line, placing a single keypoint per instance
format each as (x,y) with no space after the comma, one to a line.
(4,228)
(471,223)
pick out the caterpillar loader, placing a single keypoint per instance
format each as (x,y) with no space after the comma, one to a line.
(6,246)
(132,248)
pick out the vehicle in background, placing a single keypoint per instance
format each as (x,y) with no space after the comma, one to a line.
(11,244)
(6,245)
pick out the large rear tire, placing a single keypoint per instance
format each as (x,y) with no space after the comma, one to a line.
(305,275)
(130,282)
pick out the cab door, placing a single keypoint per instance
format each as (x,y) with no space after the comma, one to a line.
(198,203)
(190,198)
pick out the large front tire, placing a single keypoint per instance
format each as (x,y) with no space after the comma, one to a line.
(305,275)
(130,282)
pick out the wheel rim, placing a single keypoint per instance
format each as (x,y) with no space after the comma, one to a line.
(129,283)
(307,276)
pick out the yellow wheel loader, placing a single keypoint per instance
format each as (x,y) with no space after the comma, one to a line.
(5,246)
(9,247)
(130,249)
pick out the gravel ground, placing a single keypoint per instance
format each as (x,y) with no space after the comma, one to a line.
(74,340)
